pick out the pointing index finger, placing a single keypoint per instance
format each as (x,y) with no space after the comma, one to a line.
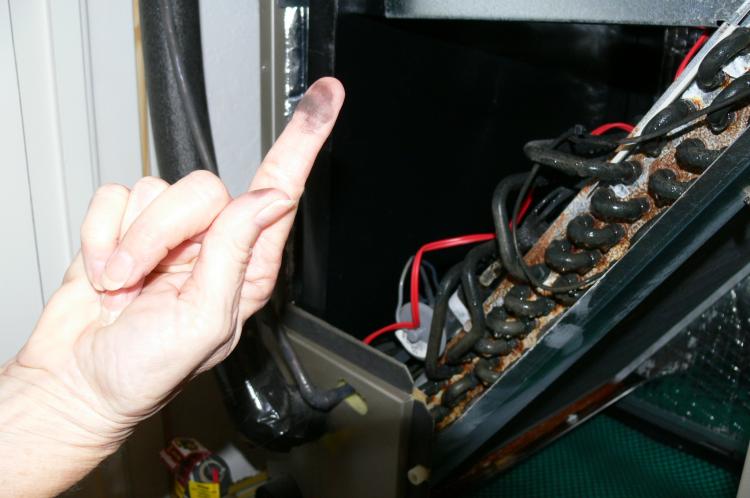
(288,163)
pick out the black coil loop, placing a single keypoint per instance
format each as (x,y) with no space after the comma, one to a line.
(663,120)
(503,326)
(665,188)
(582,232)
(720,120)
(519,303)
(710,75)
(456,391)
(692,155)
(606,206)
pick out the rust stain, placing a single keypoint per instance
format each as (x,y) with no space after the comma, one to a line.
(558,230)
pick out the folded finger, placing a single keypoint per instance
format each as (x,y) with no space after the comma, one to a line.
(179,213)
(143,193)
(219,272)
(100,230)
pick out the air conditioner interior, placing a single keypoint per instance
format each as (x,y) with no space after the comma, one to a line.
(437,113)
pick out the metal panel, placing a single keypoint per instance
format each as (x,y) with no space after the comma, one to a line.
(664,12)
(362,455)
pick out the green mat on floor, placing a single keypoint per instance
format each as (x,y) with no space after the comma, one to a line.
(607,459)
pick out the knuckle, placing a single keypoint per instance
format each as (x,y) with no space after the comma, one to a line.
(112,191)
(207,186)
(283,179)
(150,184)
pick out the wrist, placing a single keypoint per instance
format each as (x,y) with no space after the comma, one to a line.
(38,410)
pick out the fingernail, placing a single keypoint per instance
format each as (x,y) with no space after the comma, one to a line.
(274,211)
(117,271)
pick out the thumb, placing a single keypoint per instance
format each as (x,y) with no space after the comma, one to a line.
(219,273)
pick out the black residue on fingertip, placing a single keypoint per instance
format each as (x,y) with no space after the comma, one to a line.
(317,106)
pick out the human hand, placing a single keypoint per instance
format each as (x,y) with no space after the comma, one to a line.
(165,279)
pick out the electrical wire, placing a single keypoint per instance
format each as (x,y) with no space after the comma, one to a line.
(702,39)
(715,106)
(601,130)
(414,281)
(434,246)
(178,69)
(514,233)
(426,282)
(521,207)
(401,281)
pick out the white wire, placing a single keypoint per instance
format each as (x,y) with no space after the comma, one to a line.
(401,281)
(426,284)
(433,274)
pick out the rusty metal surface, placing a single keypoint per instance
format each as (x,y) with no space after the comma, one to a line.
(683,88)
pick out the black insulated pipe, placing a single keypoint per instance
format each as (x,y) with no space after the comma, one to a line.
(448,286)
(541,151)
(710,75)
(517,301)
(606,206)
(665,188)
(692,155)
(174,124)
(458,389)
(502,326)
(484,370)
(473,295)
(560,257)
(582,232)
(487,346)
(319,399)
(265,409)
(720,120)
(671,114)
(508,255)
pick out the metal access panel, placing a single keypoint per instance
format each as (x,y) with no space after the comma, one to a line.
(365,453)
(662,12)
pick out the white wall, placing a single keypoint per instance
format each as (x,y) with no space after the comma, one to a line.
(69,121)
(231,59)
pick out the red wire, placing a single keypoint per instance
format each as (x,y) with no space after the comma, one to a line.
(601,130)
(460,241)
(524,207)
(414,281)
(691,53)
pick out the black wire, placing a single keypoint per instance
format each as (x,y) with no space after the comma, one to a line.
(626,141)
(201,141)
(715,106)
(517,207)
(508,255)
(448,285)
